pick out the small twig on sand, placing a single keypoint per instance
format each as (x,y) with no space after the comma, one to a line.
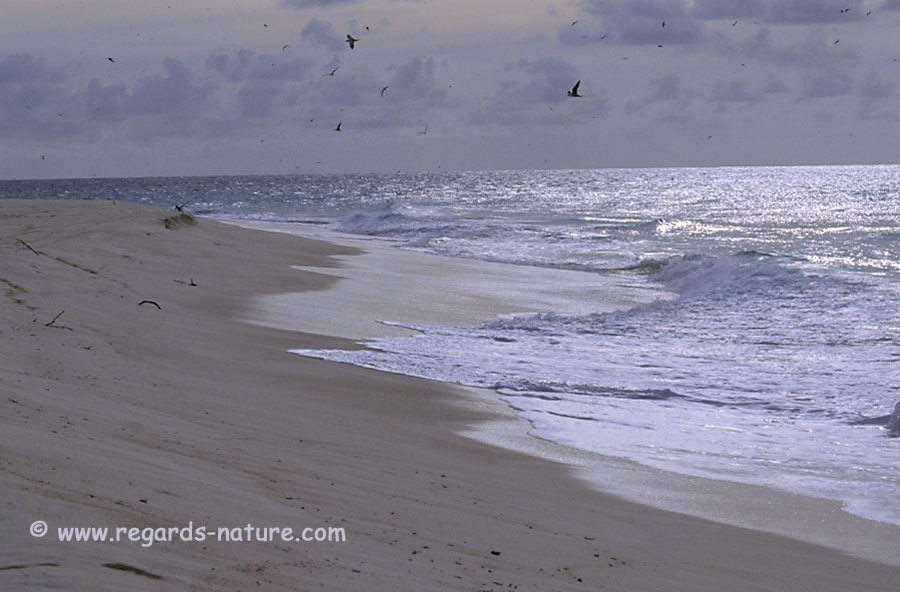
(53,324)
(30,248)
(149,302)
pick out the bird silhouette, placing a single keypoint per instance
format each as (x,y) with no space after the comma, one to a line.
(351,41)
(574,91)
(384,89)
(338,128)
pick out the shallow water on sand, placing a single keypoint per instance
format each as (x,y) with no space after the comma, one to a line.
(771,359)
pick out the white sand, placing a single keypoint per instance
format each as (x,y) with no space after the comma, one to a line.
(125,414)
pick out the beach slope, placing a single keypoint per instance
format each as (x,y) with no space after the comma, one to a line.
(135,396)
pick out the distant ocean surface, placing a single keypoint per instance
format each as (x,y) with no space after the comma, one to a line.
(774,358)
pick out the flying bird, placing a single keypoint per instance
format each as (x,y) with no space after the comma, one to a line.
(664,24)
(338,128)
(574,91)
(351,41)
(284,47)
(111,60)
(384,89)
(332,72)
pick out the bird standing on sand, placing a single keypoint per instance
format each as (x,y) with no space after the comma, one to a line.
(351,41)
(574,91)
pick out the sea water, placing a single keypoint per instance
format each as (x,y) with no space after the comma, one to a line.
(772,355)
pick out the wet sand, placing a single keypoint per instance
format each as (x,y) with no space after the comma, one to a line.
(136,393)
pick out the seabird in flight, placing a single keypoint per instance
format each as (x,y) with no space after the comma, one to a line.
(384,89)
(351,41)
(574,91)
(338,128)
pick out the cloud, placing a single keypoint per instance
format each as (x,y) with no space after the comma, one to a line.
(875,87)
(34,97)
(807,12)
(25,82)
(174,95)
(780,12)
(20,67)
(415,92)
(775,86)
(105,102)
(733,91)
(232,68)
(546,80)
(265,81)
(727,9)
(667,88)
(417,78)
(321,33)
(534,91)
(812,49)
(585,32)
(641,22)
(314,3)
(829,85)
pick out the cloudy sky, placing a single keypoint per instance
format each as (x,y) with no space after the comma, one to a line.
(178,87)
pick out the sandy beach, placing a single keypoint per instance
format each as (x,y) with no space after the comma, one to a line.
(147,385)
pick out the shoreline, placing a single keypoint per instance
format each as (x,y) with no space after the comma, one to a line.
(808,518)
(127,414)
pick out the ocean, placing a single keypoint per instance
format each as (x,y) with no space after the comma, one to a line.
(771,355)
